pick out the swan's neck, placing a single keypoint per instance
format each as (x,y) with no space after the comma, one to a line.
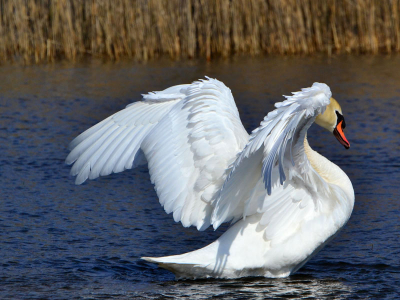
(330,172)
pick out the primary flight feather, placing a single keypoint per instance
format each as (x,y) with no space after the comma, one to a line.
(285,200)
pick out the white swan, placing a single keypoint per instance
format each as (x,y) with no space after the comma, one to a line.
(286,201)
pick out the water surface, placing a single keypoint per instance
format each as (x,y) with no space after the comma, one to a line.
(61,241)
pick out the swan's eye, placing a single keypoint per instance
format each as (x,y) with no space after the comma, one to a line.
(340,119)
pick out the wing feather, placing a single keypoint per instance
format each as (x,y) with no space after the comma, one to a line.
(266,178)
(189,134)
(113,144)
(192,148)
(120,147)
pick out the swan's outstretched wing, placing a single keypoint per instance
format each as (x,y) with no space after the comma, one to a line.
(272,175)
(190,134)
(113,145)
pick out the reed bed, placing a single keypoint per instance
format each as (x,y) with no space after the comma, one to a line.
(45,30)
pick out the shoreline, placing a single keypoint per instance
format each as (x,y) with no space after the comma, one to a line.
(37,31)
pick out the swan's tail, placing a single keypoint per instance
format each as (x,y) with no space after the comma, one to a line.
(181,270)
(196,264)
(241,251)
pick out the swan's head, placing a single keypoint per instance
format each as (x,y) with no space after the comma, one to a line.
(332,120)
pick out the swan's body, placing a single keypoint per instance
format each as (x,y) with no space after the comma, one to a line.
(287,200)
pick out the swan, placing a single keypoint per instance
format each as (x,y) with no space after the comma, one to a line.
(284,200)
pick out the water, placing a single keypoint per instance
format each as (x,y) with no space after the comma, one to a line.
(61,241)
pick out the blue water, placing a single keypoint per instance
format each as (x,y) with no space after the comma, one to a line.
(61,241)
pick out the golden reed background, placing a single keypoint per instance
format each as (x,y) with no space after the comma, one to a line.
(45,30)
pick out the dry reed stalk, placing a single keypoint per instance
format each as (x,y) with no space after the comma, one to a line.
(47,30)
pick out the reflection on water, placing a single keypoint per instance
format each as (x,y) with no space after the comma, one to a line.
(253,288)
(58,240)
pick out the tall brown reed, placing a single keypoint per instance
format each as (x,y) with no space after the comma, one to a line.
(45,30)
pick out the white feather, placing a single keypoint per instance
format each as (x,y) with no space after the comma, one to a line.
(207,170)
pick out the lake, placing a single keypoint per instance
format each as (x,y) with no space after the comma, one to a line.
(62,241)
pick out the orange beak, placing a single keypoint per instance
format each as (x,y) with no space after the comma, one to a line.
(338,132)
